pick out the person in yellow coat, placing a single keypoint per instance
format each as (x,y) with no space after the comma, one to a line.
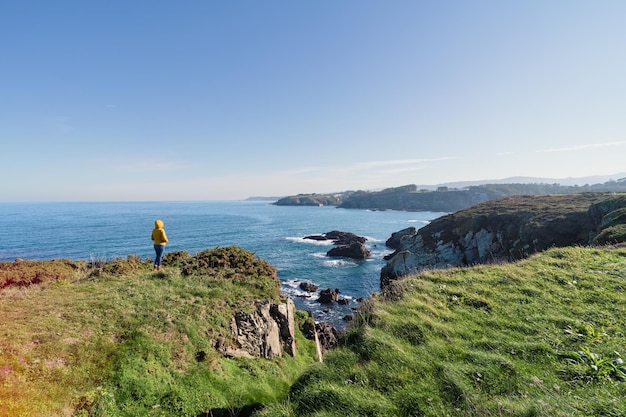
(160,239)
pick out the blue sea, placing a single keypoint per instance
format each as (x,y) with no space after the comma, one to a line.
(107,230)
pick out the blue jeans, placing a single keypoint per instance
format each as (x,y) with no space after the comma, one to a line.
(159,254)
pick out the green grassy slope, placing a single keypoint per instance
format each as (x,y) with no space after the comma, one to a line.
(116,339)
(544,336)
(540,337)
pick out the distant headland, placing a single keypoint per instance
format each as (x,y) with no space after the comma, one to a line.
(442,198)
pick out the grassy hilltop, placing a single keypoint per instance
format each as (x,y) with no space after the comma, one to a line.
(116,339)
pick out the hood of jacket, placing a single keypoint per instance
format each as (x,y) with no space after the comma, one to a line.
(158,224)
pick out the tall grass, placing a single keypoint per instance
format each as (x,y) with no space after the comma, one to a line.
(540,337)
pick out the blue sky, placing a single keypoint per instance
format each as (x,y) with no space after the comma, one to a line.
(214,100)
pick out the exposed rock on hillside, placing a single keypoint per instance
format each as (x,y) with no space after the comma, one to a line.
(328,335)
(268,332)
(394,241)
(507,229)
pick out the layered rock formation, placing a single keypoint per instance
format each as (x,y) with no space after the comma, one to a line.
(267,332)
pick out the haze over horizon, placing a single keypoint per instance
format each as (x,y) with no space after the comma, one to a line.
(112,101)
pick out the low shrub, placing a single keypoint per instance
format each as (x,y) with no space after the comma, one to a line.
(25,273)
(230,258)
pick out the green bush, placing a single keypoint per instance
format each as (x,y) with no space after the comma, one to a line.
(231,258)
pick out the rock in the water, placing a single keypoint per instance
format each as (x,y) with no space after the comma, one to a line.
(328,296)
(338,238)
(308,287)
(354,250)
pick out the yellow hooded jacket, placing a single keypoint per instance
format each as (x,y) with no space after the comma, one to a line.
(158,234)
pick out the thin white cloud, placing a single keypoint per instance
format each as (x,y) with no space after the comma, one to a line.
(405,170)
(583,147)
(396,162)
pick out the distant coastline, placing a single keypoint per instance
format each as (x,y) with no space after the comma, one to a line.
(445,198)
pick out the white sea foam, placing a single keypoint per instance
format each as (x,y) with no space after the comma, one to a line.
(340,263)
(310,241)
(292,283)
(292,289)
(424,222)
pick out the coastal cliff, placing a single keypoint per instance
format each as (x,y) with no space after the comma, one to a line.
(507,229)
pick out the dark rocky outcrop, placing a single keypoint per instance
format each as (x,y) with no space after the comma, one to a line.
(308,287)
(328,335)
(348,244)
(508,229)
(328,296)
(338,238)
(354,250)
(394,241)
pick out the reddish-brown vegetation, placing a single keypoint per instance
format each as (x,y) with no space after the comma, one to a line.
(25,273)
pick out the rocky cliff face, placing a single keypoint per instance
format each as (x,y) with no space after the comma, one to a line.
(267,332)
(502,230)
